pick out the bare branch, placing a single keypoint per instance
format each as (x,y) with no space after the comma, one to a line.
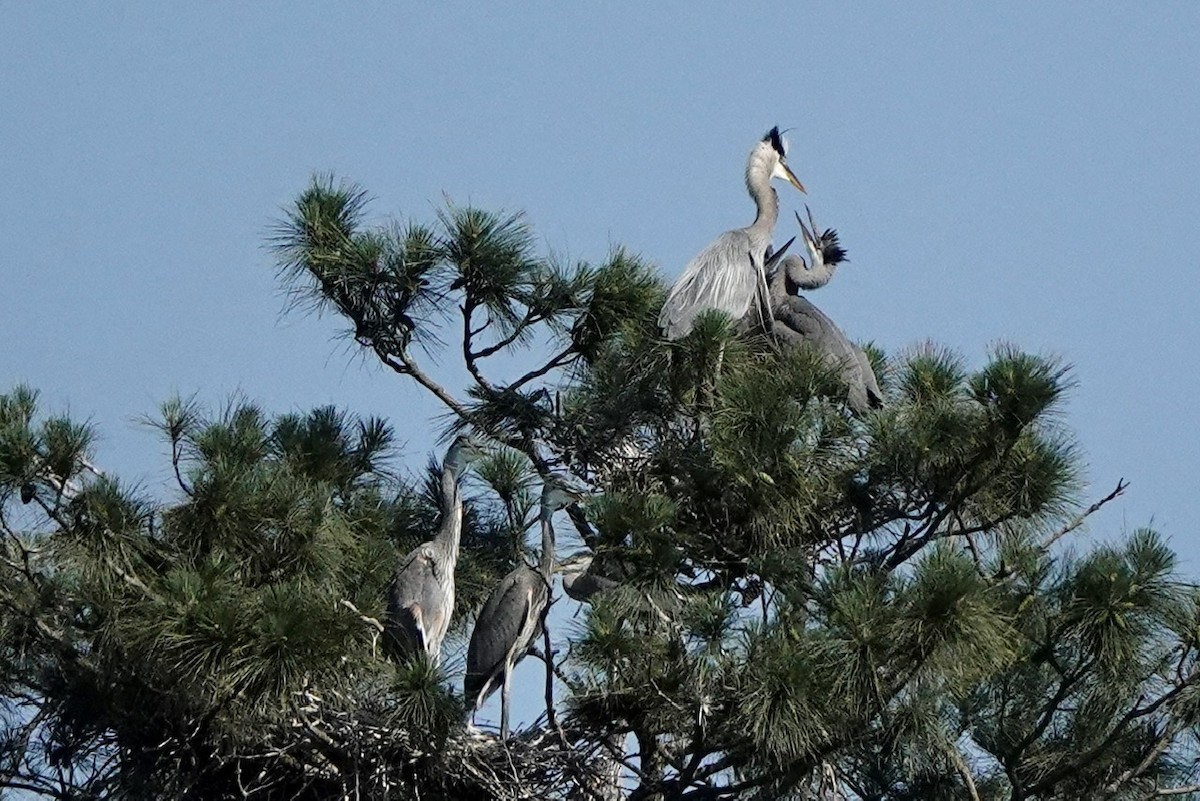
(1170,791)
(176,455)
(1122,485)
(468,309)
(404,365)
(519,329)
(964,770)
(1155,752)
(564,358)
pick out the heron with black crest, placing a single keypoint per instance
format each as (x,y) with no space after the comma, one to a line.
(728,274)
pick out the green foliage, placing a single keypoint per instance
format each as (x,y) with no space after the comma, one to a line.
(789,600)
(215,610)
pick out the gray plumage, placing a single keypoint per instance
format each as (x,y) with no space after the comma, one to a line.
(728,274)
(799,322)
(421,595)
(512,617)
(580,581)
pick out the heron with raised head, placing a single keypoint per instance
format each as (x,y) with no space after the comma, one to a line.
(728,274)
(513,615)
(421,596)
(799,322)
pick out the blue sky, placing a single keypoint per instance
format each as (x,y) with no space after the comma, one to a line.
(1019,172)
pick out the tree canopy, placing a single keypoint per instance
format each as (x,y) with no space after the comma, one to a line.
(806,603)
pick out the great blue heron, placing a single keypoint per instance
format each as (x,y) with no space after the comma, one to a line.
(728,274)
(512,617)
(580,581)
(799,322)
(421,597)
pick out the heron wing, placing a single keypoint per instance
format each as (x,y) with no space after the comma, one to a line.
(803,323)
(416,599)
(762,295)
(812,324)
(721,277)
(510,614)
(870,381)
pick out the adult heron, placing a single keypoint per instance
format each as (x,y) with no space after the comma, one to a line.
(581,579)
(421,596)
(799,322)
(513,615)
(728,274)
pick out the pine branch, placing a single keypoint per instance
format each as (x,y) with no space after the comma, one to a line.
(551,720)
(927,532)
(1088,756)
(176,456)
(468,309)
(1122,485)
(564,358)
(404,365)
(1160,745)
(964,770)
(1051,709)
(1172,791)
(518,330)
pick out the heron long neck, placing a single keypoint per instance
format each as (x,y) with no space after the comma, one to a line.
(450,532)
(766,201)
(799,276)
(777,287)
(546,563)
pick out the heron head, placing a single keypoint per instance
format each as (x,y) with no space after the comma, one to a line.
(558,492)
(823,247)
(465,449)
(771,152)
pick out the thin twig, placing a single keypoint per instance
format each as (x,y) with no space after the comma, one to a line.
(370,621)
(519,329)
(1169,791)
(176,454)
(564,358)
(1122,485)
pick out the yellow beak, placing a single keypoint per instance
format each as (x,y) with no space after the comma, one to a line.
(791,176)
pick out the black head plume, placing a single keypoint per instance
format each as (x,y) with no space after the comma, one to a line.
(831,250)
(773,136)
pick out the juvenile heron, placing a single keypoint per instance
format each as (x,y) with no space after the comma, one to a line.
(421,597)
(799,322)
(728,274)
(513,615)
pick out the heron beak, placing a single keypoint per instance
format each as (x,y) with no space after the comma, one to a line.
(777,255)
(811,221)
(808,235)
(793,180)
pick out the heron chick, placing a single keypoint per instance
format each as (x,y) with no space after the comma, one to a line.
(728,274)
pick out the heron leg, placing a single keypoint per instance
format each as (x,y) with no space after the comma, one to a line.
(504,692)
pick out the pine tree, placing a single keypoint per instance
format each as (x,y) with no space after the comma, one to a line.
(800,602)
